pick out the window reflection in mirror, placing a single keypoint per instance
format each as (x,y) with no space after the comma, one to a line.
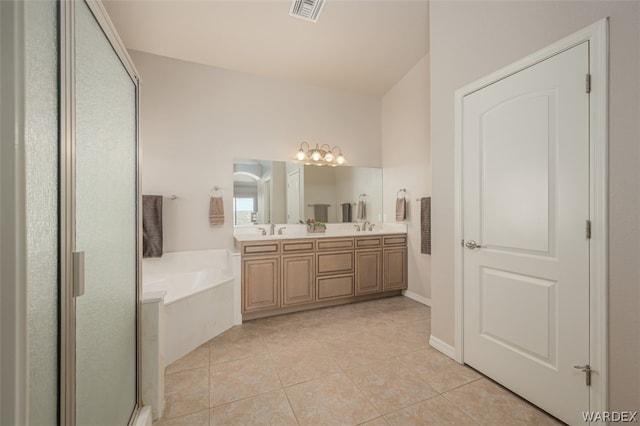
(287,192)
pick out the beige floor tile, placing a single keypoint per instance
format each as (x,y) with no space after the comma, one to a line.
(434,411)
(337,328)
(186,392)
(404,315)
(404,339)
(421,326)
(288,337)
(268,409)
(200,418)
(380,421)
(489,404)
(358,350)
(331,400)
(439,371)
(197,358)
(243,378)
(301,365)
(236,345)
(389,385)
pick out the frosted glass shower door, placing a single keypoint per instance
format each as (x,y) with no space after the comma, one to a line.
(106,193)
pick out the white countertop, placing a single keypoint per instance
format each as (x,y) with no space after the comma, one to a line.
(254,233)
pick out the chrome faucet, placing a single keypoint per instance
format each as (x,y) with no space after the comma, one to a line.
(364,226)
(262,230)
(281,230)
(358,229)
(272,229)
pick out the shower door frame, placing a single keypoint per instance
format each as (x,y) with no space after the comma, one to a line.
(67,122)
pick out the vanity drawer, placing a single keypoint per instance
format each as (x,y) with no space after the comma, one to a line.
(335,244)
(334,287)
(298,246)
(368,242)
(270,247)
(395,240)
(332,263)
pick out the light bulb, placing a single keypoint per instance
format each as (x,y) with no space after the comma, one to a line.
(328,157)
(316,155)
(300,155)
(341,159)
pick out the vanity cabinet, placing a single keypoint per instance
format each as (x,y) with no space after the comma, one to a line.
(260,283)
(288,275)
(335,270)
(394,263)
(368,265)
(298,283)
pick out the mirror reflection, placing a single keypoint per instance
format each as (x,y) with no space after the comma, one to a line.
(285,192)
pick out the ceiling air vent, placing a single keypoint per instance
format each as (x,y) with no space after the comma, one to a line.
(309,10)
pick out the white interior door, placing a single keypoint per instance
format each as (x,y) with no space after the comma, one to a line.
(525,202)
(293,197)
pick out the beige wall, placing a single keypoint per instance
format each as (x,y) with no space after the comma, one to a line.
(196,119)
(407,162)
(469,40)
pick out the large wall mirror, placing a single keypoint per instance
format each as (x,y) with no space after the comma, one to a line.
(287,192)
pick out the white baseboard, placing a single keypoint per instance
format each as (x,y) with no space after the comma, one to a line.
(443,347)
(420,299)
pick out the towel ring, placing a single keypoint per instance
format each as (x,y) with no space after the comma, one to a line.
(216,190)
(361,196)
(401,190)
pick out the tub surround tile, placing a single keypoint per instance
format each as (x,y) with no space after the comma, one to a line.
(331,400)
(489,404)
(197,358)
(268,409)
(434,411)
(389,385)
(437,370)
(243,378)
(199,418)
(303,364)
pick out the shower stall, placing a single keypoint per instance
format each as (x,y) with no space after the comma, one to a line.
(70,221)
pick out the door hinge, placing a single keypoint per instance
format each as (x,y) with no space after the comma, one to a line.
(588,229)
(588,83)
(462,242)
(587,370)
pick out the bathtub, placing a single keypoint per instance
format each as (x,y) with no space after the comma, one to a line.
(198,290)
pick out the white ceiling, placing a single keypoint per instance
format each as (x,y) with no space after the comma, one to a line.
(364,46)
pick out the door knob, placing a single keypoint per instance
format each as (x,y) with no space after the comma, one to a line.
(472,245)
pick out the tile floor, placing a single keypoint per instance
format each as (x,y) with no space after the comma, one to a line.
(365,363)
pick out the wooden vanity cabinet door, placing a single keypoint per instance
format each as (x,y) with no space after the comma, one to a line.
(368,271)
(260,283)
(298,279)
(394,268)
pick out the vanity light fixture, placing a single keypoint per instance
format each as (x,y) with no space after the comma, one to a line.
(321,155)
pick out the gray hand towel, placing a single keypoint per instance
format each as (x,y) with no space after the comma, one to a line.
(425,225)
(151,226)
(321,212)
(346,212)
